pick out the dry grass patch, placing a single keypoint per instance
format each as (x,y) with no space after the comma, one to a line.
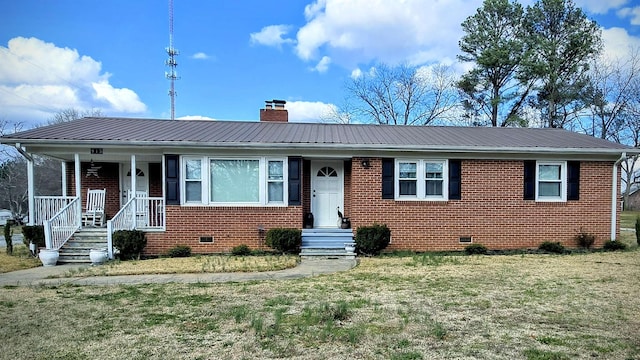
(416,307)
(20,260)
(194,264)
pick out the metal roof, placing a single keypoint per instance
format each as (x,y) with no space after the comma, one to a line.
(130,131)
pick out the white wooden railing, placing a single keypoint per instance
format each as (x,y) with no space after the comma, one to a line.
(62,225)
(47,206)
(149,215)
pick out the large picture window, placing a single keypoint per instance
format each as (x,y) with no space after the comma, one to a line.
(229,181)
(421,180)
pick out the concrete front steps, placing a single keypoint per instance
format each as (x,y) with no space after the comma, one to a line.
(326,244)
(76,250)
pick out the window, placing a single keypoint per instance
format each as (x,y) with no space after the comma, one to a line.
(551,181)
(193,180)
(275,181)
(229,181)
(421,179)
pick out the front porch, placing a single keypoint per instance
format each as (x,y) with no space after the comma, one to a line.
(124,209)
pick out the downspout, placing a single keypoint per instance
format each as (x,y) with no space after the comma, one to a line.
(614,195)
(30,184)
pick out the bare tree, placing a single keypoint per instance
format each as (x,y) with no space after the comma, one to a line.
(611,89)
(400,95)
(71,114)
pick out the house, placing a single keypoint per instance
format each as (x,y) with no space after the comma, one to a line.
(213,185)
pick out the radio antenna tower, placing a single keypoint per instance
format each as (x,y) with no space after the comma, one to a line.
(171,62)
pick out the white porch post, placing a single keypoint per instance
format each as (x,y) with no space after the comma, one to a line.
(133,189)
(31,192)
(63,167)
(76,158)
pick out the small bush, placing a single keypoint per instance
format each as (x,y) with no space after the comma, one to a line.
(284,240)
(130,243)
(638,230)
(241,250)
(34,234)
(585,239)
(7,237)
(371,240)
(475,249)
(613,245)
(179,251)
(552,247)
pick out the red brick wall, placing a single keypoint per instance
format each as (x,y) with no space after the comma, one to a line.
(229,226)
(492,209)
(108,178)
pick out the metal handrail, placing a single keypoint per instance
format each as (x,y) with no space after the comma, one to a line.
(59,229)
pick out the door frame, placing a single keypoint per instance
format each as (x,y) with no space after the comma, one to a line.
(338,165)
(124,168)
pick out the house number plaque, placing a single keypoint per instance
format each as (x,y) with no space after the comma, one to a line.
(96,150)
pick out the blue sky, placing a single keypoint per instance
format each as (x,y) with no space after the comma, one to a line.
(234,55)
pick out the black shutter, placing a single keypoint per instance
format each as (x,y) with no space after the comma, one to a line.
(530,180)
(172,179)
(388,175)
(573,180)
(295,181)
(455,180)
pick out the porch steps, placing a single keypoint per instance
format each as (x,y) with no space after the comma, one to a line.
(76,250)
(326,243)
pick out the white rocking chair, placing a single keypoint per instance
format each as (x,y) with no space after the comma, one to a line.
(94,211)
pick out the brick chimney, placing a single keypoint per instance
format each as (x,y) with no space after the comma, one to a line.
(274,111)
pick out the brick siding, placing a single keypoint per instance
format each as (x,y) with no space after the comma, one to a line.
(492,209)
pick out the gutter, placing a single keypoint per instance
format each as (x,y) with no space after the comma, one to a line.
(22,152)
(614,195)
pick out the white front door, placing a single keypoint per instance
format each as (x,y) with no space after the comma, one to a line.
(327,186)
(142,180)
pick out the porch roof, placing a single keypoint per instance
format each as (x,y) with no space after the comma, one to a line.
(103,131)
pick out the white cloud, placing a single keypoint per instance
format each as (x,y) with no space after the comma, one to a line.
(632,13)
(356,73)
(359,31)
(600,6)
(120,100)
(309,111)
(618,43)
(323,64)
(38,79)
(271,36)
(194,117)
(200,56)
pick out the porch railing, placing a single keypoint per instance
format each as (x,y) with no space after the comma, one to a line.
(47,206)
(62,225)
(149,215)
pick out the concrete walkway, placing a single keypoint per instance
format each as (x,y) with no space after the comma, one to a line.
(41,275)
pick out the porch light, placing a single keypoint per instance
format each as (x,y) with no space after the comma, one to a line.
(365,163)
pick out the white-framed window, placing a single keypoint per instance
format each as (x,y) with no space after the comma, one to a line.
(252,181)
(192,170)
(421,179)
(551,181)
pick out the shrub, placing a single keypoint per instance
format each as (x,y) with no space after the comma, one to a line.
(34,234)
(638,230)
(585,239)
(284,240)
(179,251)
(613,245)
(241,250)
(371,240)
(475,249)
(130,243)
(7,237)
(552,247)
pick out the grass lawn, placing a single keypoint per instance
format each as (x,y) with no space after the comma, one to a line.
(19,260)
(628,219)
(413,307)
